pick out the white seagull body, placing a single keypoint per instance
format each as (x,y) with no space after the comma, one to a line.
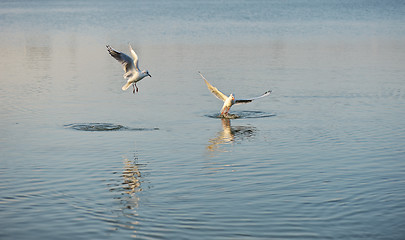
(229,101)
(130,66)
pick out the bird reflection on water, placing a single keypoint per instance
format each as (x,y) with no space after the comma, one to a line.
(131,183)
(131,175)
(229,135)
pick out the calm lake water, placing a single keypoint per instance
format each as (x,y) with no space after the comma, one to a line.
(322,157)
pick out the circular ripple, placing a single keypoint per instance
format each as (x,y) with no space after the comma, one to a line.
(104,127)
(243,114)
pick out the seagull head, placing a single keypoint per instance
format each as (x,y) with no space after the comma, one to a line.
(146,73)
(232,97)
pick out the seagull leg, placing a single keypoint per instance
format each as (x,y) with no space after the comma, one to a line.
(136,87)
(133,88)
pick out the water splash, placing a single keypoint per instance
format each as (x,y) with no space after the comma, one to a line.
(102,127)
(242,114)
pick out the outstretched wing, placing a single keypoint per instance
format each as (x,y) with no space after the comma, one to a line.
(214,90)
(125,60)
(241,101)
(133,53)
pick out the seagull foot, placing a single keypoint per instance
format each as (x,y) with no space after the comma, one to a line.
(133,88)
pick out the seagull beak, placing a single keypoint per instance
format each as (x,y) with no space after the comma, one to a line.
(149,75)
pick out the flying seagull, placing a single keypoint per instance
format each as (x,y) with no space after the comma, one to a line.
(130,66)
(229,101)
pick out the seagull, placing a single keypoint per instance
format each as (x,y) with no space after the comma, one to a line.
(130,66)
(229,101)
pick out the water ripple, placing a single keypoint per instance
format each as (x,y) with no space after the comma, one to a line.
(242,114)
(94,127)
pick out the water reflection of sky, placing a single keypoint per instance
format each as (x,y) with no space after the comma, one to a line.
(336,71)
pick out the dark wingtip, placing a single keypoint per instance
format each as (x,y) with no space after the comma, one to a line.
(108,48)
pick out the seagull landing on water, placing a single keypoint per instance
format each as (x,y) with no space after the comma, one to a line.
(130,66)
(229,101)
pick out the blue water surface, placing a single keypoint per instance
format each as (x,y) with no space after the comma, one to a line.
(322,157)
